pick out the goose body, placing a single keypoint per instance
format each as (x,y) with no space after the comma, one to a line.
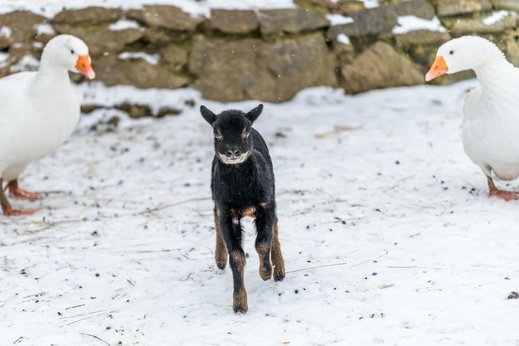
(491,124)
(490,127)
(39,110)
(33,121)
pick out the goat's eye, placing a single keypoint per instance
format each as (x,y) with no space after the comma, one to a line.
(451,52)
(217,136)
(246,135)
(72,51)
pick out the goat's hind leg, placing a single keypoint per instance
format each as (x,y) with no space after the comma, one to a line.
(231,231)
(264,222)
(277,256)
(221,251)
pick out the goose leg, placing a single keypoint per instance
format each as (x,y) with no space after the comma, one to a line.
(6,206)
(17,193)
(493,191)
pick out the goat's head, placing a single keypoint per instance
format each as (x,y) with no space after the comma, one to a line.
(232,140)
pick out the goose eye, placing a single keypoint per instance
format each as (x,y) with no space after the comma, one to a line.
(451,52)
(72,51)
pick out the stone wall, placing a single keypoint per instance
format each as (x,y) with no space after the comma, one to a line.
(269,54)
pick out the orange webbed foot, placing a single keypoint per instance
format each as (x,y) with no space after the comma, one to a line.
(13,212)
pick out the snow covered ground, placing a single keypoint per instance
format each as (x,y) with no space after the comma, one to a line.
(388,235)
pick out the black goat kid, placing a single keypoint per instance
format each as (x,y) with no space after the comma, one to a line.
(242,184)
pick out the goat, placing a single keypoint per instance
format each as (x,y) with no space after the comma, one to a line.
(242,184)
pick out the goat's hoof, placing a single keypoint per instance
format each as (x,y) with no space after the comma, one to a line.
(221,264)
(220,256)
(239,309)
(279,274)
(239,301)
(265,273)
(239,304)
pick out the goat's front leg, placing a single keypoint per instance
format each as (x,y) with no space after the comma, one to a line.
(264,222)
(232,233)
(220,252)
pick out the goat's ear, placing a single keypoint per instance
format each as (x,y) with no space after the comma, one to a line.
(254,114)
(209,116)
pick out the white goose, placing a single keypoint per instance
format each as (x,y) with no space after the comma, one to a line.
(491,112)
(38,112)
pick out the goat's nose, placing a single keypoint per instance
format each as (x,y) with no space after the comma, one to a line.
(233,151)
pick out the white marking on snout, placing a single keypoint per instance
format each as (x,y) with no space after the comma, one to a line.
(242,158)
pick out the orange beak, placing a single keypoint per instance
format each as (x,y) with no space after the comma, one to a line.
(83,66)
(438,68)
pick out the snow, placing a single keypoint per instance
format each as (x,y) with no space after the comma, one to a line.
(27,63)
(371,3)
(386,228)
(343,39)
(45,29)
(4,57)
(5,32)
(338,19)
(152,59)
(124,24)
(412,23)
(37,45)
(495,17)
(367,3)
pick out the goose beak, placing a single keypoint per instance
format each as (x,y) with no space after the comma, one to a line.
(84,67)
(438,68)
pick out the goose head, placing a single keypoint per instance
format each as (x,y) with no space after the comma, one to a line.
(69,52)
(464,53)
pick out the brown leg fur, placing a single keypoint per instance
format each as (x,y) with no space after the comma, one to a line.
(239,303)
(221,251)
(277,256)
(265,269)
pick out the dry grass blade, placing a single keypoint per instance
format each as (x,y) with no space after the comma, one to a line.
(167,206)
(86,318)
(337,130)
(337,264)
(96,337)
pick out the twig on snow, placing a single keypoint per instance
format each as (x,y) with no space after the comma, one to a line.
(85,318)
(337,130)
(51,224)
(413,267)
(317,267)
(341,220)
(371,259)
(167,206)
(337,264)
(96,337)
(81,315)
(75,306)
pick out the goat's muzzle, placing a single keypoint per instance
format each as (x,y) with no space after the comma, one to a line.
(233,158)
